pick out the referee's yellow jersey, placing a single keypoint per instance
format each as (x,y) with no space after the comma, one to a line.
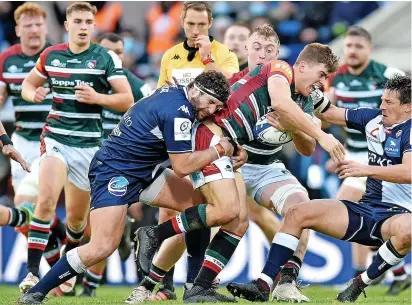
(175,63)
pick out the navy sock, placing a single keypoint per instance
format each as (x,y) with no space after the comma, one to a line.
(282,249)
(60,273)
(196,244)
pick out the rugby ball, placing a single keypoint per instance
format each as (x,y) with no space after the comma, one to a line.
(269,135)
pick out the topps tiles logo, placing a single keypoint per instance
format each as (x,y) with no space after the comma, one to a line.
(70,83)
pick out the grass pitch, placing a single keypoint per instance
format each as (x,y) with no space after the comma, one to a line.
(118,294)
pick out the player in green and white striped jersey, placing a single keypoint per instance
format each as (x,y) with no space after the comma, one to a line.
(15,64)
(81,74)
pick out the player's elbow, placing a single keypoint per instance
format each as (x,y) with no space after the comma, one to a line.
(180,171)
(306,150)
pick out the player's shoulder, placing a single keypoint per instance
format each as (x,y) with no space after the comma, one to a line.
(54,48)
(11,51)
(278,67)
(383,70)
(342,70)
(176,101)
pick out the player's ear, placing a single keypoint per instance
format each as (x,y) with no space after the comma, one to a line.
(407,108)
(66,25)
(302,66)
(17,29)
(210,24)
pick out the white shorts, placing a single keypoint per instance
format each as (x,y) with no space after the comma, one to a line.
(29,185)
(356,182)
(203,138)
(258,177)
(29,150)
(77,160)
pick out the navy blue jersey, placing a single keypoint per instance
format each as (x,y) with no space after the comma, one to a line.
(160,124)
(386,147)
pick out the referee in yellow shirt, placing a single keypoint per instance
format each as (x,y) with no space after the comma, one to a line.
(199,52)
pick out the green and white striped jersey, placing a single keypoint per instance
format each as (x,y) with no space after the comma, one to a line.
(14,67)
(363,90)
(71,122)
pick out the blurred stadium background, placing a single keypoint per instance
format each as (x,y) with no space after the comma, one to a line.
(142,24)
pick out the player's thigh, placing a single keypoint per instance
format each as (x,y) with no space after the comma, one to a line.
(352,190)
(326,216)
(52,178)
(171,192)
(77,204)
(280,196)
(397,225)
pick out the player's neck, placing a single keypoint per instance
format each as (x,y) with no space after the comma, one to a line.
(358,70)
(30,51)
(76,49)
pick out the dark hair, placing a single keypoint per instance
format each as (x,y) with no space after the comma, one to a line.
(266,31)
(402,85)
(214,83)
(111,37)
(319,53)
(356,30)
(199,6)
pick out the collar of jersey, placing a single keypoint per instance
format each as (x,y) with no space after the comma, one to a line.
(396,125)
(192,50)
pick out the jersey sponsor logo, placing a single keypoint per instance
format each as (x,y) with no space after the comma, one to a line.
(185,76)
(74,61)
(393,147)
(375,159)
(91,63)
(182,128)
(283,68)
(70,83)
(127,119)
(176,56)
(14,69)
(355,83)
(15,87)
(184,109)
(118,186)
(56,63)
(30,63)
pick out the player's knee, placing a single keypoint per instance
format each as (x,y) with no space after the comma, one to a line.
(295,216)
(287,195)
(75,220)
(403,234)
(104,249)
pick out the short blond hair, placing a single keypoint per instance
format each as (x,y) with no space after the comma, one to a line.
(29,9)
(321,54)
(199,6)
(267,32)
(80,7)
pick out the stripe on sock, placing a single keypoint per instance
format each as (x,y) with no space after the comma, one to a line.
(231,237)
(365,279)
(266,279)
(38,234)
(180,219)
(286,240)
(387,254)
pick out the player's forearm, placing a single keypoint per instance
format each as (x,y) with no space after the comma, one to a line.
(304,144)
(400,173)
(28,90)
(334,115)
(195,162)
(118,101)
(297,118)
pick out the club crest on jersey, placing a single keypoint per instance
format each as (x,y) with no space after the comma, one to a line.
(393,147)
(91,63)
(118,186)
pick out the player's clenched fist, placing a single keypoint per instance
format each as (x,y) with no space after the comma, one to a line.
(40,94)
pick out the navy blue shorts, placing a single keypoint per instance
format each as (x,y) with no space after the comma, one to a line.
(111,188)
(365,222)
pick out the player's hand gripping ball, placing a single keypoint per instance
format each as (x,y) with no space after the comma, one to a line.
(269,135)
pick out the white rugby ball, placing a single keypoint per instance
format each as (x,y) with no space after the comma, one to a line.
(269,135)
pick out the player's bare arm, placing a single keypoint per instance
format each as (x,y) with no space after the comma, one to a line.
(9,151)
(185,164)
(400,173)
(121,100)
(325,110)
(32,88)
(3,94)
(280,95)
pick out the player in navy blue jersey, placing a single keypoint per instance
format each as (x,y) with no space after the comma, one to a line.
(132,165)
(382,217)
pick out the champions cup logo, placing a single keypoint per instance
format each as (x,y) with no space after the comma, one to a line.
(91,64)
(118,186)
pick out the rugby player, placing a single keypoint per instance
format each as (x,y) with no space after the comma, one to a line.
(112,42)
(382,216)
(359,83)
(80,74)
(130,166)
(253,107)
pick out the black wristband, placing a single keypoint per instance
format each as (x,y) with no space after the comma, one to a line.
(4,138)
